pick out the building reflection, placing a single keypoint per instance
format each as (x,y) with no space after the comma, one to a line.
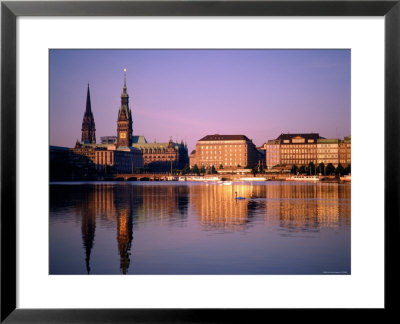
(91,201)
(125,207)
(162,204)
(292,208)
(88,228)
(304,207)
(217,208)
(124,238)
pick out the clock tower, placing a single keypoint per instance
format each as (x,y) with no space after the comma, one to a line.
(124,123)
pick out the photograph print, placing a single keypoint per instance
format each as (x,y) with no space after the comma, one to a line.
(201,161)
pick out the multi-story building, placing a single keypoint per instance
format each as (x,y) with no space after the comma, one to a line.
(328,151)
(228,151)
(119,159)
(345,151)
(298,149)
(273,153)
(162,157)
(302,149)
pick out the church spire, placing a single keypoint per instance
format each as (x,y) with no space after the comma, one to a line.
(88,105)
(124,80)
(88,125)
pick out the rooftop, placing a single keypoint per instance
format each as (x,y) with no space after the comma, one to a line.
(304,135)
(218,137)
(139,139)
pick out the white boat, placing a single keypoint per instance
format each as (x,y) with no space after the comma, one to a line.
(346,178)
(172,178)
(303,178)
(253,179)
(182,178)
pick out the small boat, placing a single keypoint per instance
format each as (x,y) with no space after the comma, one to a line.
(303,178)
(182,179)
(172,178)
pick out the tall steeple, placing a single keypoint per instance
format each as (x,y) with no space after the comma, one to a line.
(88,125)
(88,105)
(124,123)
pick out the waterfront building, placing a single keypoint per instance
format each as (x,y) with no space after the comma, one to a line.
(345,151)
(301,149)
(328,151)
(124,123)
(118,159)
(230,151)
(298,149)
(88,125)
(82,155)
(273,153)
(162,157)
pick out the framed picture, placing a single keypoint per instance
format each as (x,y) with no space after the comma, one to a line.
(206,234)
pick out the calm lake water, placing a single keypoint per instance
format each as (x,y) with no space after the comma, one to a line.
(199,228)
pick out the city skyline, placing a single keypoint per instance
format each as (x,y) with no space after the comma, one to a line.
(187,94)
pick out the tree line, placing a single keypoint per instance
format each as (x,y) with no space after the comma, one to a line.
(329,169)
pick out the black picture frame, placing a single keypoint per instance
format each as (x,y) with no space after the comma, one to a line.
(10,10)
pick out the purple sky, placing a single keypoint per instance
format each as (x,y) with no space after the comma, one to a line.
(188,94)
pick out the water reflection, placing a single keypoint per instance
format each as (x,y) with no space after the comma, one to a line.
(128,208)
(216,207)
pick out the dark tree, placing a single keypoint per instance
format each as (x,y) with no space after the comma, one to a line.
(195,169)
(202,169)
(321,168)
(294,169)
(339,170)
(347,170)
(311,168)
(330,169)
(221,166)
(186,169)
(213,171)
(302,169)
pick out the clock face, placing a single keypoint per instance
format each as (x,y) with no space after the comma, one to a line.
(122,135)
